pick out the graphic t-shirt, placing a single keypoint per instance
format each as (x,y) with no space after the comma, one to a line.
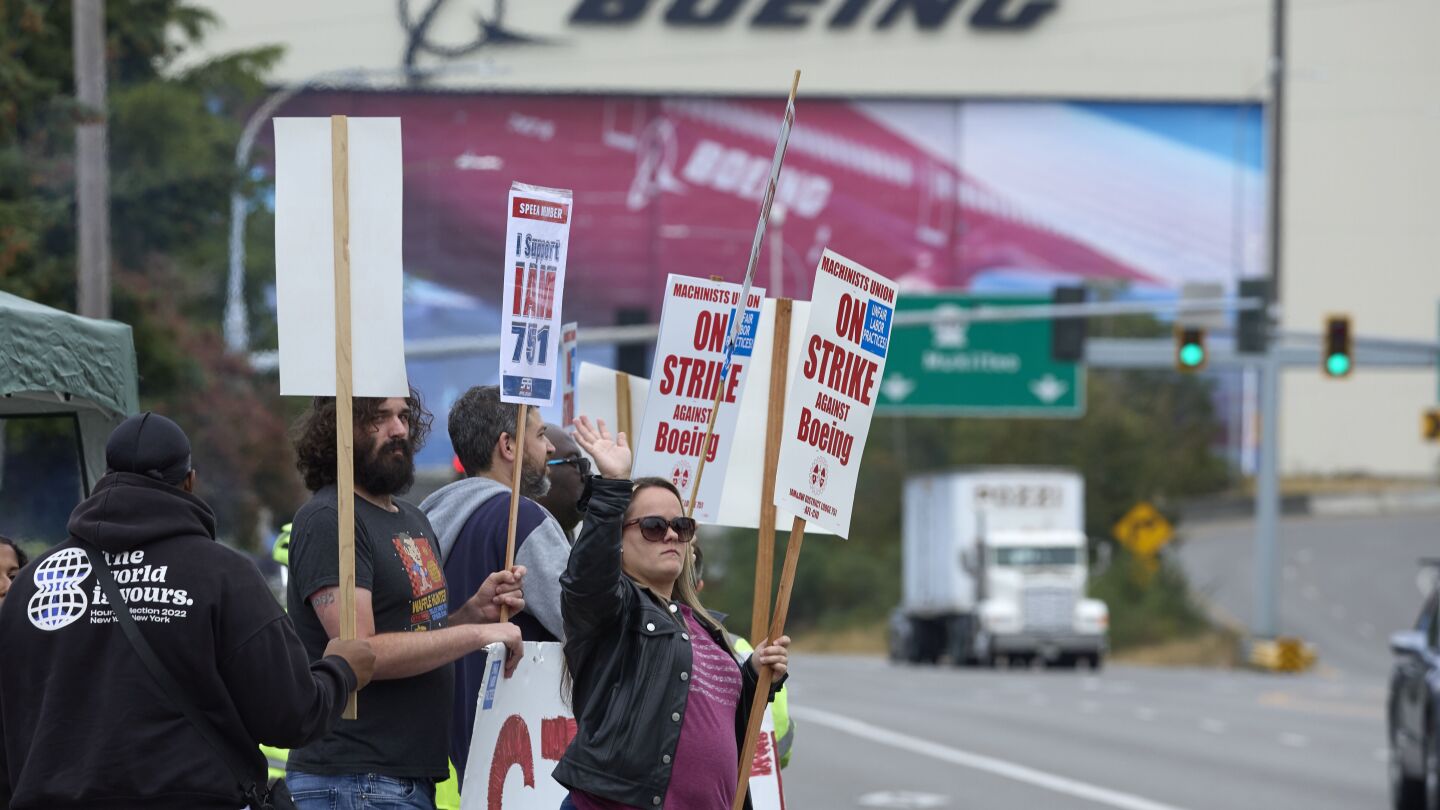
(707,757)
(404,724)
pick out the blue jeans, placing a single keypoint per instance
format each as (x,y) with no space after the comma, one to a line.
(359,791)
(567,804)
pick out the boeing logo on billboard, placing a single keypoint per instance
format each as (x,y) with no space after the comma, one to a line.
(1000,15)
(420,18)
(490,31)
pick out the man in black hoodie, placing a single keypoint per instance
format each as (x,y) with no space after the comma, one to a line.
(82,722)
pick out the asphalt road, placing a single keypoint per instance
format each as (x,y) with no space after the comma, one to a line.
(1346,583)
(873,734)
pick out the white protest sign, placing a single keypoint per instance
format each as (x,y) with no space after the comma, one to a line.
(568,371)
(831,400)
(305,257)
(597,395)
(523,726)
(740,500)
(537,242)
(689,355)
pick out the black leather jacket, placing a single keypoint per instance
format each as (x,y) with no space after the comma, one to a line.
(628,652)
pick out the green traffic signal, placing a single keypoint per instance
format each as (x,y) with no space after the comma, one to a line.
(1338,364)
(1337,350)
(1192,354)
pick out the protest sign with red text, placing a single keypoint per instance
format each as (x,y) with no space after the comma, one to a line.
(831,401)
(537,242)
(523,724)
(689,356)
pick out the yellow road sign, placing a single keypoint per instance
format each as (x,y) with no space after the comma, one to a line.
(1143,530)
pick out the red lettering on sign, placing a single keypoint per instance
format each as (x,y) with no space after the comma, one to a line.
(764,761)
(850,319)
(555,736)
(519,288)
(539,209)
(511,748)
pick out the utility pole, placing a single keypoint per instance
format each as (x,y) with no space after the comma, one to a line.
(1265,622)
(92,166)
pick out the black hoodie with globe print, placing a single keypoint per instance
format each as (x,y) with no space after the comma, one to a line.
(83,723)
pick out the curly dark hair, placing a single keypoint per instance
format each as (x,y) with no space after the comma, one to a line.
(314,434)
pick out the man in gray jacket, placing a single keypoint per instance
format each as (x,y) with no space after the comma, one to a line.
(471,517)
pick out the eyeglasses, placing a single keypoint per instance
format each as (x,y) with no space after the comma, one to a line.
(581,463)
(654,528)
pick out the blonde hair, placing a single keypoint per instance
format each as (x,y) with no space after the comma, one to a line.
(685,592)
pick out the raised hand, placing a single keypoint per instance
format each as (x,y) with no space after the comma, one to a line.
(611,453)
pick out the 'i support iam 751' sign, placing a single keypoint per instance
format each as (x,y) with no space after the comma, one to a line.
(537,241)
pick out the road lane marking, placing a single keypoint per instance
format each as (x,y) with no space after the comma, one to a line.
(902,798)
(1330,708)
(1293,740)
(1145,713)
(1212,726)
(966,759)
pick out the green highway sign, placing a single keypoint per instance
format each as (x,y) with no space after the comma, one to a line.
(981,368)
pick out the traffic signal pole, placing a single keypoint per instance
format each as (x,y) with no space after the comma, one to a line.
(1264,622)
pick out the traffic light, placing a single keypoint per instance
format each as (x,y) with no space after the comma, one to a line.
(1067,335)
(1190,352)
(1430,425)
(1337,358)
(1253,325)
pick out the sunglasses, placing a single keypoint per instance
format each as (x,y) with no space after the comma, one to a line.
(655,528)
(582,464)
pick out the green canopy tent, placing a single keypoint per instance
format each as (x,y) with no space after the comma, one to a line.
(53,363)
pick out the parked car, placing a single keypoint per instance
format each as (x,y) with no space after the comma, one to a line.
(1414,704)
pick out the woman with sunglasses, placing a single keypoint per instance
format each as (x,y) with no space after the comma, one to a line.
(660,699)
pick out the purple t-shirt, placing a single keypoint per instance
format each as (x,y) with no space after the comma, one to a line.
(707,758)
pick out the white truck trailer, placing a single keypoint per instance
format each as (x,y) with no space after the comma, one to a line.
(994,566)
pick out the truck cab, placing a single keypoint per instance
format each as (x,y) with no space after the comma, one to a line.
(1034,604)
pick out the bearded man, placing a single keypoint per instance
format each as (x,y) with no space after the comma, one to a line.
(397,749)
(472,518)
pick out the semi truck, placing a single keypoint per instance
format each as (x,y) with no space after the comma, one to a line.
(994,567)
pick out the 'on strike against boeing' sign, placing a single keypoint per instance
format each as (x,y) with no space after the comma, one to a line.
(689,356)
(828,409)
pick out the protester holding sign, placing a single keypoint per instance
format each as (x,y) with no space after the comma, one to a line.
(398,747)
(471,517)
(660,701)
(88,719)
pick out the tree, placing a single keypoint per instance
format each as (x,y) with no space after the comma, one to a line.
(172,136)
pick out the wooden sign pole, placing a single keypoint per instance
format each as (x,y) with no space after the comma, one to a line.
(519,467)
(344,399)
(624,418)
(767,675)
(765,548)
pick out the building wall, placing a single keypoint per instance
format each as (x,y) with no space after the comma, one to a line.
(1362,193)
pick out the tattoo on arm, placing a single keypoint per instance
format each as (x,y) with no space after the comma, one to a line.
(322,599)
